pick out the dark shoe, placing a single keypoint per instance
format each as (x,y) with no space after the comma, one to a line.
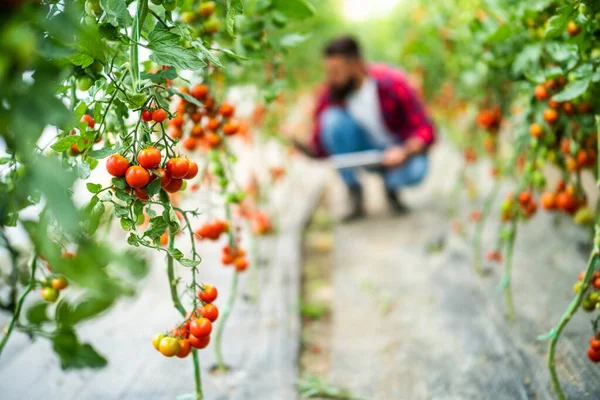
(357,209)
(397,206)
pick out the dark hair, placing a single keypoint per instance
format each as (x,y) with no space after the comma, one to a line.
(345,46)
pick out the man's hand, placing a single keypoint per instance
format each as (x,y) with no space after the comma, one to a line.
(395,156)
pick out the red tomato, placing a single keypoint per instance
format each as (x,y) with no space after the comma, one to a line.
(593,355)
(201,327)
(241,263)
(165,178)
(137,177)
(174,185)
(146,115)
(177,122)
(89,120)
(141,194)
(199,91)
(231,128)
(227,110)
(149,158)
(184,348)
(159,115)
(210,311)
(213,124)
(178,167)
(117,165)
(192,171)
(199,343)
(190,143)
(60,282)
(209,294)
(595,343)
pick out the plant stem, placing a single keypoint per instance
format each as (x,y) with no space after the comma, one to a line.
(510,307)
(17,313)
(485,212)
(226,311)
(177,304)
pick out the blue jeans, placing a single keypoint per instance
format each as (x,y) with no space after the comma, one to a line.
(340,134)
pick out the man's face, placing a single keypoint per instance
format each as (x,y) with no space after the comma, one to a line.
(341,75)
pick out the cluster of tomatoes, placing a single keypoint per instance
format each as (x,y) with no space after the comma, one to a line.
(235,256)
(212,230)
(203,16)
(564,198)
(172,172)
(52,287)
(489,119)
(592,300)
(204,126)
(194,332)
(91,123)
(526,206)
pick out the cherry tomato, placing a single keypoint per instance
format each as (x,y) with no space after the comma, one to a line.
(175,133)
(206,8)
(213,124)
(89,120)
(168,346)
(550,115)
(595,343)
(149,158)
(178,167)
(192,171)
(209,294)
(159,115)
(141,194)
(199,92)
(210,311)
(201,327)
(117,165)
(146,115)
(525,197)
(199,343)
(197,131)
(156,340)
(231,128)
(540,92)
(49,294)
(84,83)
(593,355)
(536,130)
(59,283)
(241,263)
(548,200)
(177,122)
(227,110)
(184,348)
(190,143)
(165,178)
(137,177)
(174,185)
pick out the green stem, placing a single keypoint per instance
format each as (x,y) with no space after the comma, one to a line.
(485,212)
(177,304)
(510,307)
(17,313)
(223,320)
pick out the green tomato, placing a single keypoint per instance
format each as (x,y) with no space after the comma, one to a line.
(108,31)
(183,186)
(90,21)
(595,53)
(140,219)
(92,7)
(218,170)
(584,216)
(84,83)
(49,294)
(538,179)
(95,68)
(211,25)
(169,5)
(223,182)
(588,305)
(594,297)
(577,287)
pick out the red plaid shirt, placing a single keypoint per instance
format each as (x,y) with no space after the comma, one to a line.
(403,111)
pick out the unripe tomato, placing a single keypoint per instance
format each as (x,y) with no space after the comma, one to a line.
(189,17)
(117,165)
(149,158)
(169,5)
(177,167)
(184,348)
(201,327)
(210,311)
(137,177)
(211,25)
(159,115)
(84,83)
(206,8)
(573,29)
(209,294)
(89,120)
(146,115)
(577,287)
(168,346)
(587,305)
(174,185)
(156,2)
(199,343)
(192,171)
(49,294)
(156,340)
(59,283)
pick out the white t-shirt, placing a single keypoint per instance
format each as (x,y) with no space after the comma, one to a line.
(364,106)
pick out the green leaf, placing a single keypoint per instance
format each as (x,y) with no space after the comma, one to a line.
(116,12)
(37,313)
(104,152)
(74,355)
(158,226)
(293,39)
(72,314)
(83,60)
(126,224)
(166,50)
(213,59)
(234,8)
(87,357)
(65,143)
(186,96)
(230,54)
(558,23)
(92,222)
(572,90)
(119,183)
(94,187)
(298,9)
(176,254)
(171,218)
(527,58)
(186,262)
(153,188)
